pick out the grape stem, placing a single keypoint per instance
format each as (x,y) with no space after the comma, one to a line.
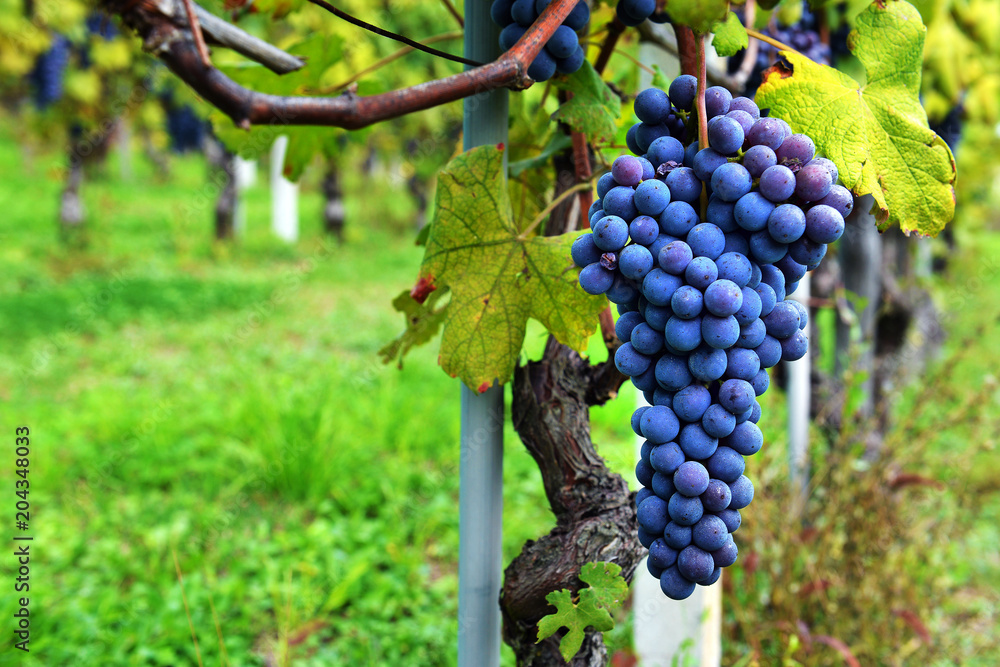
(770,40)
(396,55)
(702,74)
(540,218)
(199,38)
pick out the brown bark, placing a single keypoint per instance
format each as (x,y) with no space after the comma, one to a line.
(595,513)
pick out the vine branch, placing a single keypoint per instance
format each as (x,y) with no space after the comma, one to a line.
(169,39)
(382,32)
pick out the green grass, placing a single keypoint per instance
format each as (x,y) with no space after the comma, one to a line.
(224,402)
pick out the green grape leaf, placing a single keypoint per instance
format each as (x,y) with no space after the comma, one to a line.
(875,133)
(606,592)
(498,275)
(594,107)
(423,322)
(699,15)
(729,36)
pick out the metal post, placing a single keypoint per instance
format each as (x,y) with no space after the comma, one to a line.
(284,195)
(799,394)
(480,503)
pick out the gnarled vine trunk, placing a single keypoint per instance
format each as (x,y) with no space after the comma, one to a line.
(595,513)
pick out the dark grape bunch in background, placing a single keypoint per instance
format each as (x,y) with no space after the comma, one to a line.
(802,35)
(562,53)
(702,303)
(48,74)
(186,129)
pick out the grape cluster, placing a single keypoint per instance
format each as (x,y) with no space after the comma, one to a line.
(634,12)
(562,53)
(49,71)
(702,305)
(186,129)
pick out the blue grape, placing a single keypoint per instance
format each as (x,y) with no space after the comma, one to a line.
(648,171)
(751,335)
(683,335)
(644,493)
(793,271)
(717,101)
(674,585)
(573,62)
(621,290)
(706,240)
(646,134)
(765,249)
(705,163)
(684,185)
(632,140)
(742,490)
(803,314)
(629,361)
(695,564)
(677,536)
(646,340)
(620,201)
(627,170)
(736,396)
(732,519)
(720,213)
(761,381)
(710,533)
(657,245)
(543,67)
(717,422)
(672,372)
(646,381)
(652,106)
(657,316)
(651,197)
(691,479)
(652,515)
(675,257)
(769,351)
(720,332)
(725,464)
(741,364)
(782,321)
(523,11)
(723,298)
(604,185)
(678,218)
(787,223)
(707,363)
(664,150)
(666,458)
(595,279)
(757,159)
(646,539)
(658,286)
(807,252)
(584,251)
(661,555)
(746,439)
(727,554)
(696,443)
(644,473)
(840,199)
(824,224)
(659,424)
(776,279)
(725,135)
(690,403)
(736,243)
(745,121)
(578,18)
(625,325)
(643,230)
(563,43)
(734,267)
(701,272)
(682,91)
(796,151)
(766,132)
(752,211)
(637,415)
(777,183)
(750,309)
(635,262)
(794,347)
(636,10)
(686,302)
(685,511)
(716,497)
(813,182)
(745,105)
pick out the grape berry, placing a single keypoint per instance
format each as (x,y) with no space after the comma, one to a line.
(703,309)
(562,53)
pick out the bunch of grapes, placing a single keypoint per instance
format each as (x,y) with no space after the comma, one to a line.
(47,75)
(561,53)
(186,129)
(802,35)
(634,12)
(702,304)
